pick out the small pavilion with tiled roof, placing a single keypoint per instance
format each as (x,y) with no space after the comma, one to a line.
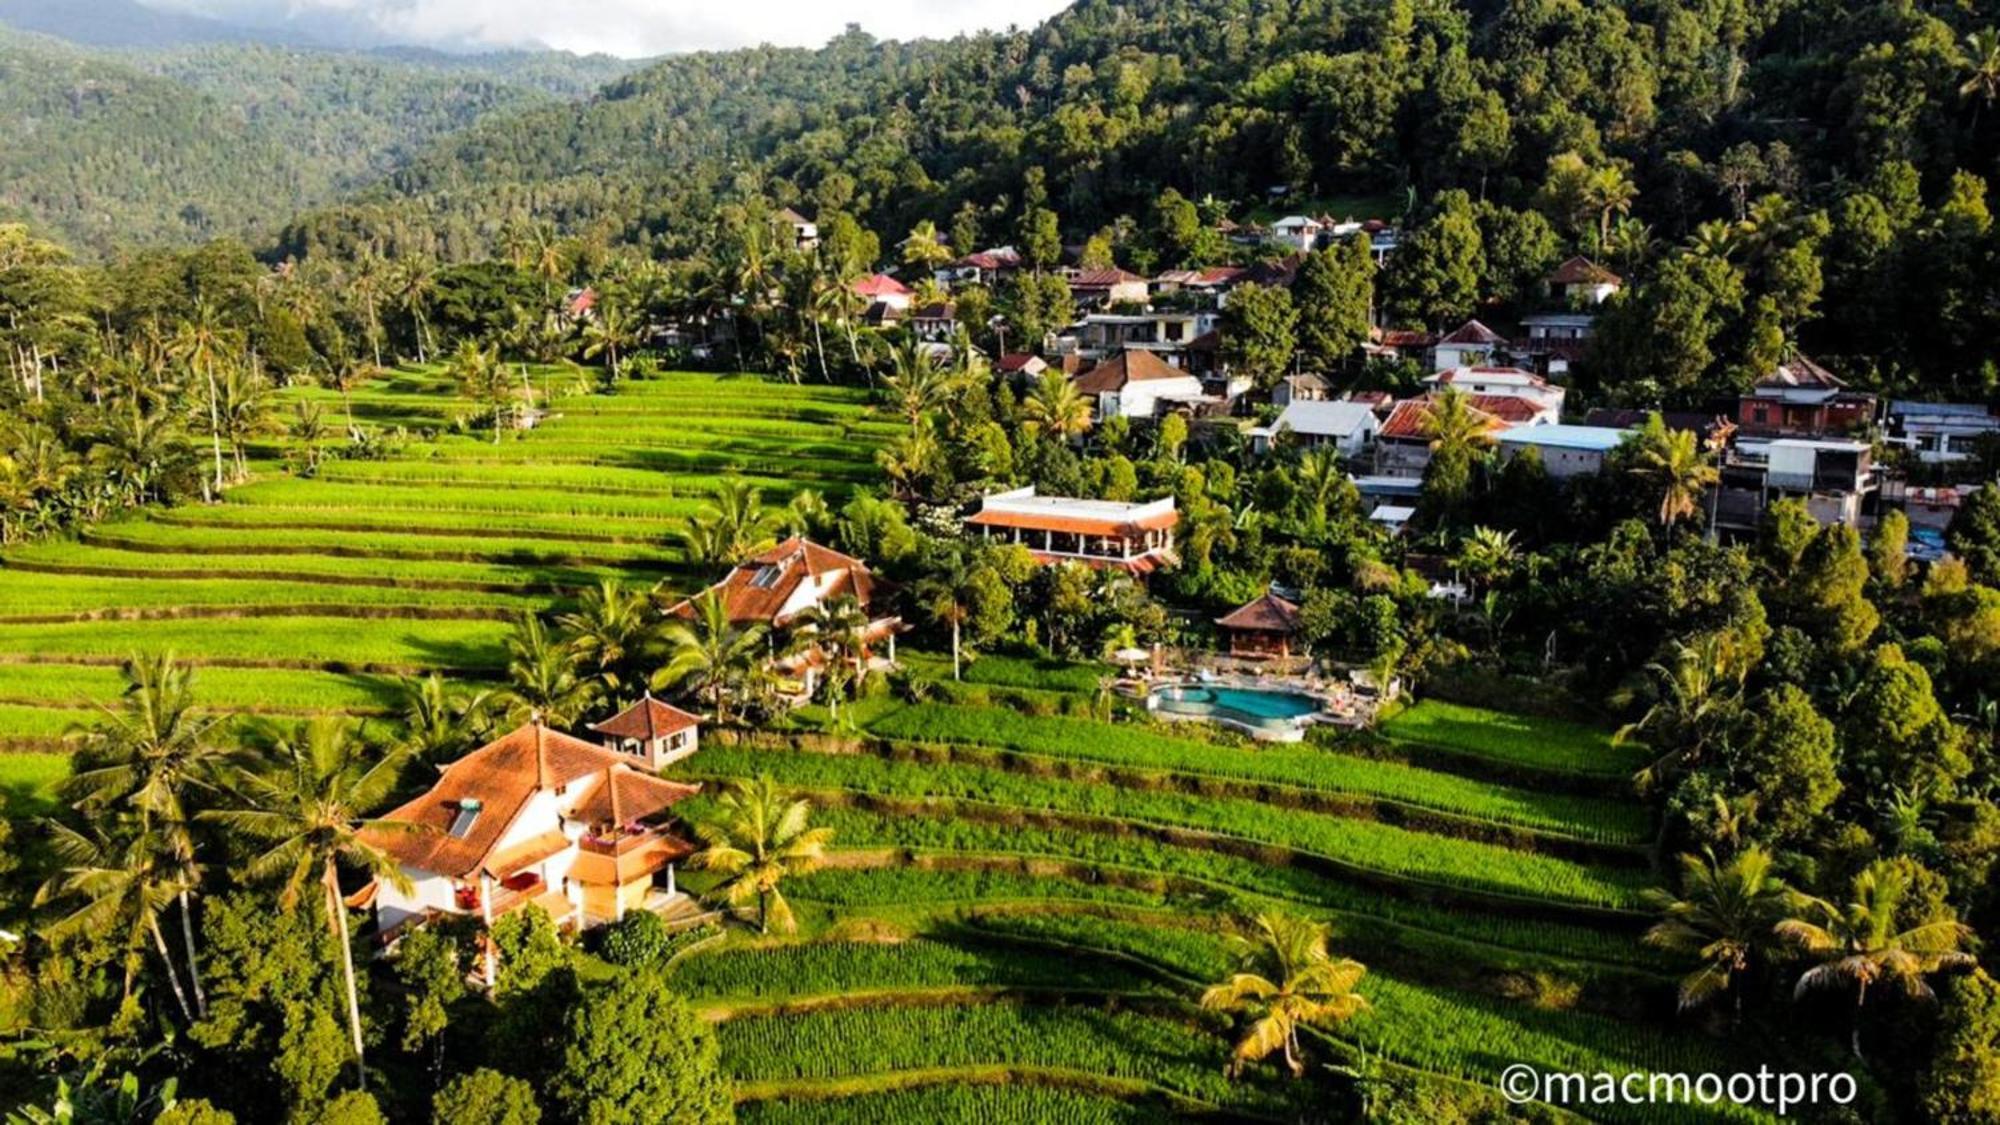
(658,733)
(1262,627)
(514,823)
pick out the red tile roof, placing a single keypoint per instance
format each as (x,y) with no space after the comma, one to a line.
(1473,332)
(1017,361)
(1268,614)
(1126,367)
(1405,338)
(1074,525)
(1512,409)
(625,796)
(1102,279)
(1580,270)
(647,719)
(1802,372)
(880,285)
(1410,420)
(1473,373)
(758,589)
(500,777)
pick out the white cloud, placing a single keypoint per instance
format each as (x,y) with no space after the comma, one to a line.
(636,27)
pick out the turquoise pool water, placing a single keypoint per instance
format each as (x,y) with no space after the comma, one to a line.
(1268,708)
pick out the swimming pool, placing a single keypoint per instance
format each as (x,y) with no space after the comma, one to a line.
(1266,713)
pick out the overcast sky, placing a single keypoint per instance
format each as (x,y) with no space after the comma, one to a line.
(634,28)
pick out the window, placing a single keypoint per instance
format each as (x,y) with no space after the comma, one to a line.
(766,577)
(461,825)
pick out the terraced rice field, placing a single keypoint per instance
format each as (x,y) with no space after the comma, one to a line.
(302,595)
(1020,911)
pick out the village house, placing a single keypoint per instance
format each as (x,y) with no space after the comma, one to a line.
(1399,344)
(1347,428)
(1102,289)
(1581,283)
(1833,477)
(1470,344)
(1299,232)
(1566,451)
(779,587)
(1261,628)
(987,267)
(804,232)
(1504,382)
(656,733)
(1942,432)
(1303,387)
(935,323)
(1021,368)
(1138,538)
(536,817)
(1165,332)
(1799,398)
(1135,384)
(1403,444)
(888,299)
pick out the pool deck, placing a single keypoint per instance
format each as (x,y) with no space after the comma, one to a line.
(1333,708)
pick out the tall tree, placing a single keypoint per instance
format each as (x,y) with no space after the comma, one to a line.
(1289,981)
(1723,917)
(756,839)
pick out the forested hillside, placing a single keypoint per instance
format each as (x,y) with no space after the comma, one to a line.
(1622,127)
(125,149)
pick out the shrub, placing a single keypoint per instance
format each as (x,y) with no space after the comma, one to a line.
(488,1097)
(640,938)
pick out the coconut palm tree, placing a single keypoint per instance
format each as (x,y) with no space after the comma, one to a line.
(1055,407)
(1862,944)
(610,334)
(413,281)
(839,626)
(305,803)
(1723,917)
(710,653)
(946,594)
(440,723)
(244,411)
(917,383)
(756,839)
(1673,464)
(610,630)
(1610,192)
(925,247)
(1289,981)
(1697,693)
(147,756)
(203,345)
(478,373)
(1454,425)
(124,885)
(542,678)
(1486,555)
(1982,64)
(731,527)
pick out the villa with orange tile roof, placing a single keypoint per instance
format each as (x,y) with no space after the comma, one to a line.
(1138,538)
(779,586)
(534,817)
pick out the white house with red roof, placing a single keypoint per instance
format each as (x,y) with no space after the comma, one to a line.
(881,289)
(1138,538)
(1578,281)
(534,817)
(778,587)
(1403,444)
(1506,382)
(657,733)
(1469,344)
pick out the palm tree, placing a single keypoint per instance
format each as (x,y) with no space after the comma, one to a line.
(710,653)
(1610,192)
(1697,694)
(413,280)
(479,375)
(946,597)
(840,626)
(1321,483)
(917,383)
(439,724)
(306,430)
(609,629)
(541,677)
(125,885)
(756,838)
(1454,425)
(306,802)
(149,754)
(911,460)
(1982,64)
(1055,407)
(244,411)
(1290,981)
(609,334)
(1672,462)
(732,526)
(202,344)
(1724,918)
(925,247)
(1861,944)
(1485,554)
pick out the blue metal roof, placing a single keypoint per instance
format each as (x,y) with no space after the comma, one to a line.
(1557,435)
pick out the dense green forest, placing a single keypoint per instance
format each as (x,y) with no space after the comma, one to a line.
(122,149)
(1788,174)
